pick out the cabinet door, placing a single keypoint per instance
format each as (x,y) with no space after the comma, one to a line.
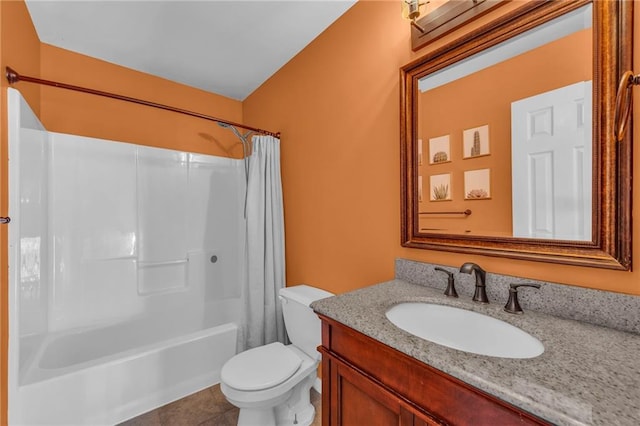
(367,383)
(356,400)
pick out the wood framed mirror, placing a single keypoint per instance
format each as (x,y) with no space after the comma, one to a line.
(507,138)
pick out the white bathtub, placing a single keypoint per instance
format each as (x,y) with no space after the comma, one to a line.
(126,265)
(84,387)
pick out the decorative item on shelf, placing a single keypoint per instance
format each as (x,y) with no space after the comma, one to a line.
(477,184)
(440,187)
(440,157)
(441,192)
(477,193)
(475,142)
(475,149)
(439,150)
(623,103)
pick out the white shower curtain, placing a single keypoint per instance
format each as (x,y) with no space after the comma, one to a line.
(265,245)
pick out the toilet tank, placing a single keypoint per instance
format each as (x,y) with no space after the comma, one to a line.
(302,324)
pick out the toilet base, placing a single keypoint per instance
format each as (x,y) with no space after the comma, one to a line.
(296,410)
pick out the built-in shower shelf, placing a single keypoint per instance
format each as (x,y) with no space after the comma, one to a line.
(147,264)
(161,276)
(110,259)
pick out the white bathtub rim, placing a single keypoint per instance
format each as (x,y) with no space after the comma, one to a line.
(133,322)
(42,403)
(34,361)
(123,356)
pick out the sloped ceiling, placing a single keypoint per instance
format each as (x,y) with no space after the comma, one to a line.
(225,47)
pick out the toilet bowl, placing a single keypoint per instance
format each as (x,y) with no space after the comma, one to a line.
(271,384)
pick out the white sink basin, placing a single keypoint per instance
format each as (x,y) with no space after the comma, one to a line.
(464,330)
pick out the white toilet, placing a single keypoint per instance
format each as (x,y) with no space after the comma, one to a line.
(271,384)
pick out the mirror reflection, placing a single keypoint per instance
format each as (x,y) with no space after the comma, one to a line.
(504,138)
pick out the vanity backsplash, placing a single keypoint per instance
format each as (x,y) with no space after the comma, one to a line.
(614,310)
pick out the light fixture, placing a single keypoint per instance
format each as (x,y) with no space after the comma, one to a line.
(411,10)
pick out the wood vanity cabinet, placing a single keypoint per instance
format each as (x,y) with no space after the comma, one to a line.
(365,382)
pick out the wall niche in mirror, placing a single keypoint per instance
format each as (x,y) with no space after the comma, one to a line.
(517,101)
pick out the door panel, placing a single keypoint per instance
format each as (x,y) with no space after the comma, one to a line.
(552,164)
(363,402)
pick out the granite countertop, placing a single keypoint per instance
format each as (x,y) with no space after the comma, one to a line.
(587,375)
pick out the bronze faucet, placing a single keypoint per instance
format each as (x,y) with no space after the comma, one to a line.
(512,306)
(451,289)
(480,294)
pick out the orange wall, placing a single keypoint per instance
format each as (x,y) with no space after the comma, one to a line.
(484,98)
(89,115)
(337,105)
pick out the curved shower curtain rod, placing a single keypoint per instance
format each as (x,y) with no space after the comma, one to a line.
(13,77)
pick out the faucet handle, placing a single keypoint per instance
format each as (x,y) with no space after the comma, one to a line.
(512,306)
(451,289)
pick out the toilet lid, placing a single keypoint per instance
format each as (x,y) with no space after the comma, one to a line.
(260,368)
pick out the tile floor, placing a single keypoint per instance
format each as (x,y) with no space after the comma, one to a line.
(205,408)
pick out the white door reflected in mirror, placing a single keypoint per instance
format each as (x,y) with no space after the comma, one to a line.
(552,164)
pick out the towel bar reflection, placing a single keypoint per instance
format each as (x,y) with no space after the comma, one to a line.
(466,212)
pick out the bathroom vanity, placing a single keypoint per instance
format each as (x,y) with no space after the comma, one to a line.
(364,379)
(377,373)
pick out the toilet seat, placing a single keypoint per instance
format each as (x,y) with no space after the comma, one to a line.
(260,368)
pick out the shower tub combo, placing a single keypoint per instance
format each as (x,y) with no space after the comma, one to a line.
(125,266)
